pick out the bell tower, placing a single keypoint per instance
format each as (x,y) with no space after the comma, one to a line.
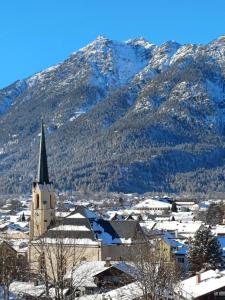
(43,196)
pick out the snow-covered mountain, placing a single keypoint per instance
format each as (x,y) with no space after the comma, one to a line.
(129,116)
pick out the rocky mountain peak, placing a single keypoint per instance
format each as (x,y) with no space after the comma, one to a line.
(123,116)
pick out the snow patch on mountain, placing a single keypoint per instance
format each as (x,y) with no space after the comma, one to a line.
(115,63)
(77,114)
(185,52)
(41,76)
(8,95)
(163,54)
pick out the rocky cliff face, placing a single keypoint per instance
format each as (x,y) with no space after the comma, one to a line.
(120,116)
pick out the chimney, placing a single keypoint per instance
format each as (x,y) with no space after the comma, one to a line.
(198,278)
(107,262)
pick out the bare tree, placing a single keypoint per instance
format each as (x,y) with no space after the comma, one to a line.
(156,275)
(9,266)
(52,259)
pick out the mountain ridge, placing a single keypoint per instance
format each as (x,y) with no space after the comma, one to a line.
(120,116)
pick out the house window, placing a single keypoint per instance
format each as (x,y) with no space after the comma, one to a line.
(37,201)
(180,259)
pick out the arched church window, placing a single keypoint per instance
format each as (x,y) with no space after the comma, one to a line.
(51,202)
(37,201)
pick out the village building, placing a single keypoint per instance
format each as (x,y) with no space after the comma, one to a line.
(152,205)
(203,286)
(173,250)
(32,291)
(95,277)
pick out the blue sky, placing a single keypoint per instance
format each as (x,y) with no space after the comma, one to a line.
(35,34)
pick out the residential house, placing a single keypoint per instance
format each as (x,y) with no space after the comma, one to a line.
(173,250)
(209,285)
(96,277)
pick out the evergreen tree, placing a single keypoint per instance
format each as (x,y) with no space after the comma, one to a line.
(23,219)
(205,252)
(174,207)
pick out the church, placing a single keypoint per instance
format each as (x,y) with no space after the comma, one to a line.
(83,235)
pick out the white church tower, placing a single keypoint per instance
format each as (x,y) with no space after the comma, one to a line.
(43,196)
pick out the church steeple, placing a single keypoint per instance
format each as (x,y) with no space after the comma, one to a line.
(43,196)
(43,164)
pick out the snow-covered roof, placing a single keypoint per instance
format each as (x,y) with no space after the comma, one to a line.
(20,245)
(210,281)
(219,229)
(14,234)
(62,214)
(84,227)
(148,226)
(4,225)
(127,292)
(115,232)
(125,267)
(81,211)
(185,228)
(152,204)
(71,227)
(25,212)
(221,240)
(177,247)
(29,289)
(5,212)
(66,241)
(83,275)
(76,216)
(20,226)
(26,288)
(183,216)
(14,218)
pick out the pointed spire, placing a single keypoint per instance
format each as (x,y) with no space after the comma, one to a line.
(43,164)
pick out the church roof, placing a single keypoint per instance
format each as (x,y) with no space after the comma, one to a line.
(43,164)
(70,234)
(81,211)
(116,232)
(84,225)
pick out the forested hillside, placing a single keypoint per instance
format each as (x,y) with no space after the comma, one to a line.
(120,116)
